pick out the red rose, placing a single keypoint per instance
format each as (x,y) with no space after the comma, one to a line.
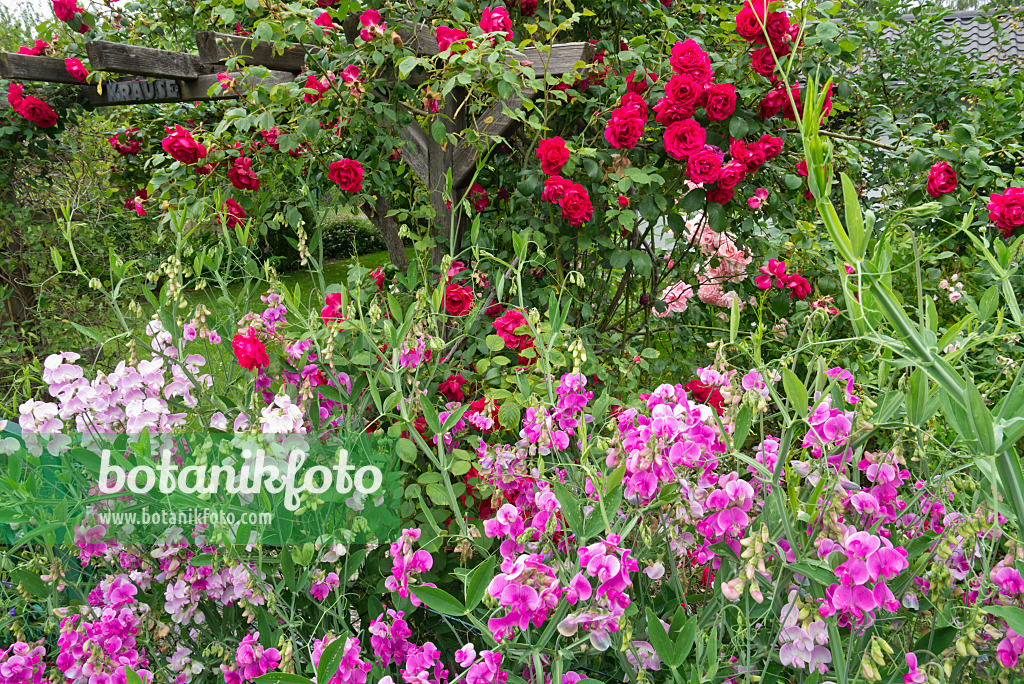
(684,138)
(451,389)
(780,31)
(771,146)
(554,188)
(576,206)
(688,58)
(797,285)
(452,39)
(669,111)
(623,201)
(478,197)
(750,19)
(38,49)
(505,327)
(704,167)
(65,9)
(76,69)
(15,94)
(751,156)
(182,146)
(242,176)
(720,101)
(553,154)
(319,86)
(36,111)
(721,195)
(638,83)
(790,114)
(527,7)
(636,103)
(347,174)
(624,128)
(772,103)
(732,174)
(683,90)
(763,60)
(270,137)
(249,351)
(457,300)
(705,394)
(234,213)
(941,179)
(1007,210)
(324,21)
(497,21)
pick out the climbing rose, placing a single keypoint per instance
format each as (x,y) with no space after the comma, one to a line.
(704,167)
(38,49)
(234,212)
(452,387)
(457,300)
(36,111)
(706,394)
(624,128)
(249,351)
(554,188)
(347,174)
(1007,210)
(771,146)
(242,176)
(750,19)
(720,101)
(690,59)
(313,83)
(553,154)
(478,197)
(324,21)
(576,206)
(684,138)
(76,69)
(798,286)
(182,146)
(449,39)
(65,9)
(496,20)
(623,201)
(638,83)
(370,20)
(683,90)
(941,179)
(732,174)
(505,327)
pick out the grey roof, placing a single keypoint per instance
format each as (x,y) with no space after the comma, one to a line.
(987,36)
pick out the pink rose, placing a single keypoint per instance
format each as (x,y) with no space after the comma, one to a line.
(1007,210)
(496,21)
(370,21)
(249,351)
(684,138)
(690,59)
(704,167)
(576,206)
(452,39)
(554,188)
(347,174)
(129,146)
(732,174)
(941,179)
(553,154)
(669,111)
(624,128)
(76,69)
(38,49)
(182,146)
(324,21)
(65,9)
(720,101)
(797,285)
(457,300)
(683,89)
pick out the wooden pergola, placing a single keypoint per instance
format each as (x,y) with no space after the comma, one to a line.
(148,76)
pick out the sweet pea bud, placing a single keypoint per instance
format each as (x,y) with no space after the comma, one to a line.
(869,671)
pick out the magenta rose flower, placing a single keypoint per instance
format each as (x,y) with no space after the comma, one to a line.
(180,144)
(669,111)
(637,83)
(506,326)
(750,19)
(36,111)
(720,195)
(347,174)
(319,86)
(65,9)
(1007,210)
(370,21)
(76,69)
(36,50)
(690,59)
(129,146)
(683,89)
(478,197)
(780,30)
(720,101)
(797,285)
(451,39)
(249,351)
(704,167)
(771,146)
(763,60)
(624,128)
(554,188)
(732,175)
(553,154)
(451,388)
(751,156)
(684,138)
(242,176)
(457,300)
(496,21)
(576,206)
(941,179)
(234,213)
(636,103)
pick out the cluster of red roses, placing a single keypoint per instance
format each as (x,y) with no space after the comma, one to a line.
(573,198)
(773,30)
(797,285)
(30,107)
(67,10)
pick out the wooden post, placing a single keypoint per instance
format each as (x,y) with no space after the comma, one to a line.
(441,159)
(141,61)
(216,48)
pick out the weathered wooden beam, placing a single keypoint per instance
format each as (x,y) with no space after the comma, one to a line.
(416,154)
(216,48)
(142,61)
(492,122)
(560,59)
(33,68)
(161,90)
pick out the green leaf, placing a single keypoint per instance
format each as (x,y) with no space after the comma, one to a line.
(31,583)
(406,66)
(795,391)
(330,659)
(570,508)
(663,646)
(738,127)
(989,302)
(817,573)
(439,600)
(281,678)
(438,131)
(430,415)
(854,217)
(288,568)
(980,419)
(739,435)
(1014,616)
(734,320)
(131,676)
(495,343)
(686,637)
(827,30)
(478,581)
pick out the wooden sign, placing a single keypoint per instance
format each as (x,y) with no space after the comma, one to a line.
(142,90)
(161,90)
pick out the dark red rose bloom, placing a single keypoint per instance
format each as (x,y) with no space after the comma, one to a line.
(554,188)
(234,213)
(457,299)
(451,389)
(624,128)
(66,9)
(242,176)
(635,102)
(347,174)
(36,50)
(478,197)
(771,146)
(705,394)
(249,351)
(721,195)
(704,167)
(669,111)
(553,154)
(750,19)
(689,58)
(576,206)
(76,69)
(772,103)
(36,111)
(505,327)
(751,156)
(780,31)
(623,201)
(732,174)
(720,101)
(180,144)
(941,179)
(636,83)
(763,60)
(683,90)
(1007,210)
(684,138)
(797,285)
